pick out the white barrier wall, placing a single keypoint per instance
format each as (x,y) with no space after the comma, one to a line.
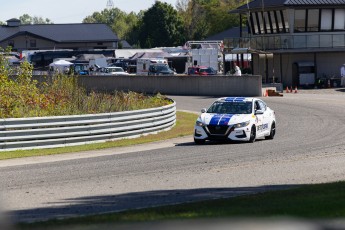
(250,85)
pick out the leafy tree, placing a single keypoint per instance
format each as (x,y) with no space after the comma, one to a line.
(120,22)
(2,23)
(40,20)
(27,19)
(194,17)
(218,15)
(161,26)
(203,18)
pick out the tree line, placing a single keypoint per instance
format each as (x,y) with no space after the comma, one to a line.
(163,25)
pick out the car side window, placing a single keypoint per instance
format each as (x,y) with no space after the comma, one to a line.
(262,105)
(256,106)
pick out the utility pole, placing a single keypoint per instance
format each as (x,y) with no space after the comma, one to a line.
(110,4)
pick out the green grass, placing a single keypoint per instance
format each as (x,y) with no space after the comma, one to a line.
(184,127)
(309,201)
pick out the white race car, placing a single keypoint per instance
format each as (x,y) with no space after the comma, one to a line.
(237,119)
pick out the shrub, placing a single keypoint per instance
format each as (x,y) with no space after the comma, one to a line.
(21,96)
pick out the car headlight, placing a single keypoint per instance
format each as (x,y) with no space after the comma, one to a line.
(243,124)
(199,123)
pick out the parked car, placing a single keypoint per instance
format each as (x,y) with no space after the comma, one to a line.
(80,69)
(160,69)
(236,119)
(111,70)
(207,71)
(201,70)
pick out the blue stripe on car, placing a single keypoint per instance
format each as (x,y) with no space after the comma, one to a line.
(221,119)
(235,99)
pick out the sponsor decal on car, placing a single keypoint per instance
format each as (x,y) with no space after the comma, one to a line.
(262,127)
(235,99)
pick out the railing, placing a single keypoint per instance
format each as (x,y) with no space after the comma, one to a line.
(61,131)
(286,41)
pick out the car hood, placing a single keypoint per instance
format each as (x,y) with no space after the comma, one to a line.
(224,119)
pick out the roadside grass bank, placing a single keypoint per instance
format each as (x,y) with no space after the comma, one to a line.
(184,127)
(313,202)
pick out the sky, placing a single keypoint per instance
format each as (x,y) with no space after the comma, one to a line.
(68,11)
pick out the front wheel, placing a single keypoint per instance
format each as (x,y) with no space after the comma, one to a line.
(199,141)
(272,132)
(252,135)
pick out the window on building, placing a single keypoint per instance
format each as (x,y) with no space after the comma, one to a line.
(32,43)
(326,19)
(274,22)
(11,43)
(280,21)
(285,21)
(255,24)
(261,23)
(267,23)
(313,20)
(300,19)
(339,19)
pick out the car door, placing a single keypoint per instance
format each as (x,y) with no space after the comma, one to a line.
(265,117)
(259,118)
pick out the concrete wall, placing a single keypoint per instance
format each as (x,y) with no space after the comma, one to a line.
(250,85)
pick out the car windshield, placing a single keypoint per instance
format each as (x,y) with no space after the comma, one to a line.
(221,107)
(208,70)
(159,68)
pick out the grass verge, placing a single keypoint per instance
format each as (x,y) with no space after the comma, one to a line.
(184,127)
(320,201)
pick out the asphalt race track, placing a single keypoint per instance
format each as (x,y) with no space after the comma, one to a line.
(309,147)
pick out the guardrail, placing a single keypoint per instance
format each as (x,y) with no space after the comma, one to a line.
(61,131)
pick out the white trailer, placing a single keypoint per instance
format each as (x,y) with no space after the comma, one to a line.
(99,62)
(143,64)
(208,55)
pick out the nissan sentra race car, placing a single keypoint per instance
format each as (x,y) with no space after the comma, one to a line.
(236,119)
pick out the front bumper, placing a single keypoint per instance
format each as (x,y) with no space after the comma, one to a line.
(221,133)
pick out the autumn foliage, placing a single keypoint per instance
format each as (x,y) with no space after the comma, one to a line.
(21,96)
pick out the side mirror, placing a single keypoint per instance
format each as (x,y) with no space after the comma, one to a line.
(259,111)
(203,110)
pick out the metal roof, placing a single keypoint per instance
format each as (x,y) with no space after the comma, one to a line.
(82,32)
(314,2)
(232,32)
(260,4)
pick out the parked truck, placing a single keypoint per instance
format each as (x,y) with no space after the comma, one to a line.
(143,64)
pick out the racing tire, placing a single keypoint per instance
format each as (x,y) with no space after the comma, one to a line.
(272,132)
(199,141)
(252,135)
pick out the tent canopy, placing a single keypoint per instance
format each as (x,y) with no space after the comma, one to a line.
(61,63)
(60,66)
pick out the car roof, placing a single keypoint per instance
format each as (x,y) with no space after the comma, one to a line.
(236,99)
(197,67)
(113,67)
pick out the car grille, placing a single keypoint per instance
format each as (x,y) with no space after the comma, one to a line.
(217,129)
